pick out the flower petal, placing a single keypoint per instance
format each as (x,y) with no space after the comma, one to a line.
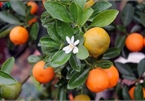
(68,40)
(76,42)
(75,50)
(72,39)
(67,49)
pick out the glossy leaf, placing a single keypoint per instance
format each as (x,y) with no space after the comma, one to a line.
(48,42)
(104,64)
(138,92)
(81,3)
(34,31)
(85,16)
(8,65)
(142,20)
(18,6)
(120,41)
(111,53)
(70,73)
(57,59)
(125,93)
(129,77)
(6,78)
(135,28)
(75,11)
(8,17)
(57,11)
(101,6)
(127,14)
(124,69)
(34,59)
(118,90)
(125,52)
(141,67)
(75,63)
(52,32)
(64,29)
(105,18)
(62,94)
(60,83)
(83,52)
(78,78)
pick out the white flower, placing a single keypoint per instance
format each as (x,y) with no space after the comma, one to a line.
(71,46)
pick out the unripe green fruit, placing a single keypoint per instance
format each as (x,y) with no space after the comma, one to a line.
(10,92)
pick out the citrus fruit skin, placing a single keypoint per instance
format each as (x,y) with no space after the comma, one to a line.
(113,76)
(82,97)
(89,4)
(97,41)
(131,92)
(19,35)
(33,20)
(144,41)
(34,7)
(97,80)
(134,42)
(11,92)
(41,74)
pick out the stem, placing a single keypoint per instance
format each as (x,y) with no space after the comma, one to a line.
(25,79)
(87,62)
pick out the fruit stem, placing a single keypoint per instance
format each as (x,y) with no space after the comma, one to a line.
(87,62)
(25,79)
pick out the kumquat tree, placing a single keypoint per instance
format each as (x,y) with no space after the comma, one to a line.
(80,44)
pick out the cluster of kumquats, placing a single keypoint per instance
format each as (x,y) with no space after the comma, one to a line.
(19,35)
(135,42)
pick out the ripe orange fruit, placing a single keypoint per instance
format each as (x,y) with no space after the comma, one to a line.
(41,74)
(144,41)
(34,7)
(131,92)
(33,20)
(97,80)
(89,3)
(82,97)
(19,35)
(134,42)
(113,76)
(97,41)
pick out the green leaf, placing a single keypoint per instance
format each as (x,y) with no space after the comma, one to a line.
(135,28)
(18,6)
(129,77)
(75,11)
(52,32)
(57,11)
(142,20)
(120,41)
(8,65)
(34,59)
(8,17)
(118,90)
(64,29)
(75,63)
(141,67)
(83,52)
(70,73)
(101,6)
(48,42)
(111,53)
(127,14)
(121,28)
(138,92)
(62,94)
(6,30)
(105,18)
(104,64)
(34,30)
(59,58)
(125,52)
(6,79)
(125,93)
(124,69)
(60,83)
(81,3)
(85,16)
(78,78)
